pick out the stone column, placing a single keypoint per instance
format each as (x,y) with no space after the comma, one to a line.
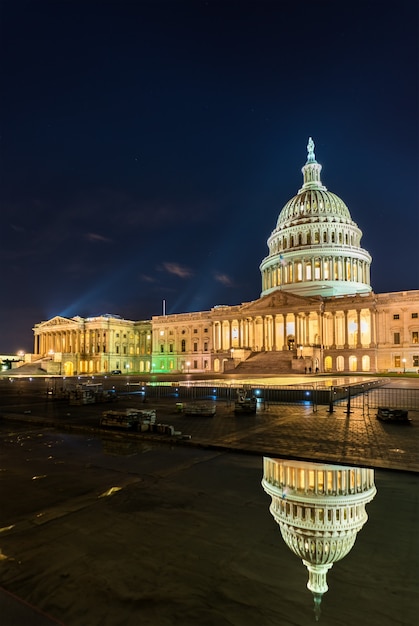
(284,332)
(333,346)
(296,330)
(274,332)
(372,328)
(358,322)
(346,344)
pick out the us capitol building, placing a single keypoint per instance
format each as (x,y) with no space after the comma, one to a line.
(316,312)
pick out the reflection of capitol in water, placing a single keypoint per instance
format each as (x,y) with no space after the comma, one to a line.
(320,509)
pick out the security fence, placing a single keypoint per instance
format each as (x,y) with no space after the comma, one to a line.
(391,397)
(364,395)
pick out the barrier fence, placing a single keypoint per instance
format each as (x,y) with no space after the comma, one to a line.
(366,395)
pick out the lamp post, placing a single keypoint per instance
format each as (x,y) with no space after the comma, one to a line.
(188,364)
(404,365)
(301,351)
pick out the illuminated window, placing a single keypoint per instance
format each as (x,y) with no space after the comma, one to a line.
(397,361)
(415,360)
(415,336)
(299,271)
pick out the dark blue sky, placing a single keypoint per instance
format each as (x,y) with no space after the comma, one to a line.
(147,148)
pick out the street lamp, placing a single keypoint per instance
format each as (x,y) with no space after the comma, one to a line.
(188,365)
(301,351)
(404,365)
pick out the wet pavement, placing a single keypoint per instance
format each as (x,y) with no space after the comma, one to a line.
(354,437)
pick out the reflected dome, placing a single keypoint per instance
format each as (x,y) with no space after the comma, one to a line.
(320,508)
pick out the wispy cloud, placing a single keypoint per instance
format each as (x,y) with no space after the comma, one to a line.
(177,270)
(146,278)
(223,279)
(97,237)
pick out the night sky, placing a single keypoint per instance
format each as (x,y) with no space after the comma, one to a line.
(147,148)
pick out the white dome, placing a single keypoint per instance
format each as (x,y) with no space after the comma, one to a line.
(315,248)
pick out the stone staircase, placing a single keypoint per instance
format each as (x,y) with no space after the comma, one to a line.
(267,363)
(28,369)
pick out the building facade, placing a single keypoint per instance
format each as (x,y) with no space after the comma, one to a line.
(316,312)
(94,345)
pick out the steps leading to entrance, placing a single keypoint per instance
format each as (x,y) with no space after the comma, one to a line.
(268,363)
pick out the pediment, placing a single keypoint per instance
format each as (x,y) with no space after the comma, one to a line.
(57,321)
(282,300)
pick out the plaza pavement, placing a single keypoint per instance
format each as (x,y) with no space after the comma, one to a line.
(285,431)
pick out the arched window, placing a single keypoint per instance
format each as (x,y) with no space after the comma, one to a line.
(183,345)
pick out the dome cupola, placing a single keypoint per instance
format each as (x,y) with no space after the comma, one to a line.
(315,248)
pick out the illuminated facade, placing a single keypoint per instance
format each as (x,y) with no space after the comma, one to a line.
(93,345)
(316,311)
(320,509)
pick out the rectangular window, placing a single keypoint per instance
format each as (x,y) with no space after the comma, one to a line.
(195,365)
(162,348)
(125,349)
(206,346)
(195,330)
(414,316)
(397,361)
(205,330)
(396,316)
(415,336)
(195,347)
(171,347)
(117,349)
(396,338)
(415,360)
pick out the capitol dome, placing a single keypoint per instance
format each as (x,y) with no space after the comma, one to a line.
(315,248)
